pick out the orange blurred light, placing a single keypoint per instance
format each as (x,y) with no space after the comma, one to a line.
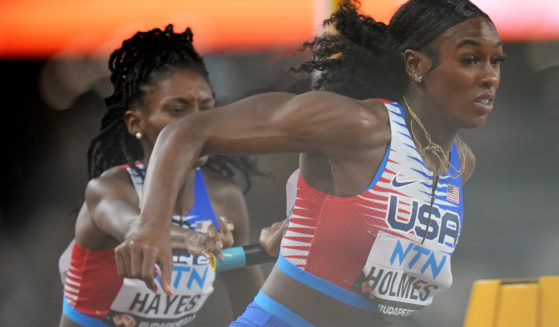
(42,28)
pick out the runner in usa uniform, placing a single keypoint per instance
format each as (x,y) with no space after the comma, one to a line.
(407,263)
(158,78)
(378,210)
(128,302)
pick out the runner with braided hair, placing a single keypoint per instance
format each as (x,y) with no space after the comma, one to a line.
(132,65)
(158,78)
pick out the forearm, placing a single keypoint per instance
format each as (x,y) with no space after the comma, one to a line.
(175,152)
(116,218)
(229,130)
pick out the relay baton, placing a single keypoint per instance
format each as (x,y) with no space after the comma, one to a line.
(241,256)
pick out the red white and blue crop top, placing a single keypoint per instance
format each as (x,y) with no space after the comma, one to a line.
(94,295)
(384,250)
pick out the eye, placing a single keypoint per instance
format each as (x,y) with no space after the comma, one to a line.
(497,60)
(470,60)
(175,110)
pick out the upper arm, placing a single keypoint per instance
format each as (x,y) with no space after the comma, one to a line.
(320,122)
(336,127)
(111,206)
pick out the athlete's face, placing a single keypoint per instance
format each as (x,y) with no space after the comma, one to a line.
(177,95)
(182,93)
(463,85)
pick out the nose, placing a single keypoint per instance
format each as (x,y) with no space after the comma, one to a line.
(490,76)
(195,106)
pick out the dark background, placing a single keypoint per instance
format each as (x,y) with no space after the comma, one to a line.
(511,212)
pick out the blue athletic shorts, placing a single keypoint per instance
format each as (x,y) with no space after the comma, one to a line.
(266,312)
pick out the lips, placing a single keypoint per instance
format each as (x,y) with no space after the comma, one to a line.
(484,102)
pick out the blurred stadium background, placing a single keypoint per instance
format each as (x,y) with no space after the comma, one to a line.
(54,77)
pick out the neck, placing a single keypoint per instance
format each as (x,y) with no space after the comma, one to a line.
(432,120)
(432,141)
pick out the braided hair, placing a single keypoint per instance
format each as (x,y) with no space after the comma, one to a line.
(362,58)
(143,60)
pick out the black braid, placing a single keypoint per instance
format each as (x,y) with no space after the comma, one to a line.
(143,60)
(362,58)
(358,60)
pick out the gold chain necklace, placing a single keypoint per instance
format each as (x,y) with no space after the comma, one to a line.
(433,147)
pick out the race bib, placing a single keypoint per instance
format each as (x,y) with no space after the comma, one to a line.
(402,276)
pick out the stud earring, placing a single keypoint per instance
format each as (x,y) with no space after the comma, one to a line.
(139,135)
(418,78)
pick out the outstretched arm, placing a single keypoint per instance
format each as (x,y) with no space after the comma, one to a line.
(111,213)
(319,122)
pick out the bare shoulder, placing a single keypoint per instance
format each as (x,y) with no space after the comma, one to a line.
(117,173)
(377,109)
(470,161)
(113,182)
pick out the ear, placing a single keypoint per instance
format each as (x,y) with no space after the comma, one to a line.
(134,120)
(417,63)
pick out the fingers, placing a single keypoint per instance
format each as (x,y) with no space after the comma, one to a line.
(209,242)
(135,259)
(270,237)
(226,224)
(219,256)
(120,263)
(166,265)
(123,258)
(214,242)
(195,243)
(212,231)
(137,262)
(147,272)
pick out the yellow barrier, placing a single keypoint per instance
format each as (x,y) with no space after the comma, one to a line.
(514,303)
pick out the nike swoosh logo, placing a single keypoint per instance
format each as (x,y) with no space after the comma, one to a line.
(396,183)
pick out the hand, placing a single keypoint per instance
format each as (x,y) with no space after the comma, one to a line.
(226,227)
(137,255)
(200,243)
(270,237)
(197,243)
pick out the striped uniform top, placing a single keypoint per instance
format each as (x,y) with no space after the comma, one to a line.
(94,294)
(387,249)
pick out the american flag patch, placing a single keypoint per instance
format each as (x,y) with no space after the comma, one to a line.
(453,194)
